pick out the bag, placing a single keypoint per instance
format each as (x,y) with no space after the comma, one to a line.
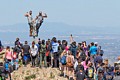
(47,53)
(90,72)
(69,62)
(63,60)
(14,55)
(83,56)
(6,66)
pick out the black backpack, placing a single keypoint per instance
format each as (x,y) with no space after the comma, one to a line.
(83,56)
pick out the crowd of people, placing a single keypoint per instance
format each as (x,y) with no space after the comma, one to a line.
(76,61)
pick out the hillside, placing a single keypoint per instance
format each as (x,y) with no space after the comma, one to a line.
(28,73)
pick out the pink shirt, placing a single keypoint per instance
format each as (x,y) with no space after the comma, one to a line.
(9,55)
(84,64)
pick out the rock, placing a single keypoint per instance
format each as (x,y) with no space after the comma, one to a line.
(28,73)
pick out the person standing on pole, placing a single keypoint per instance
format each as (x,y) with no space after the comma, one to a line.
(30,21)
(39,19)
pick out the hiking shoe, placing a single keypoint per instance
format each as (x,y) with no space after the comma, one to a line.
(62,74)
(71,78)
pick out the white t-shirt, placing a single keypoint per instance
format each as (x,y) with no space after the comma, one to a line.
(40,18)
(34,50)
(30,19)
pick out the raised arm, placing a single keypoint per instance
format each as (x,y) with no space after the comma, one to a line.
(26,14)
(45,15)
(71,39)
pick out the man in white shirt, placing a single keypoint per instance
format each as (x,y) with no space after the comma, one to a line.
(30,21)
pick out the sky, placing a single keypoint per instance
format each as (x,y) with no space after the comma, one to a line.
(73,12)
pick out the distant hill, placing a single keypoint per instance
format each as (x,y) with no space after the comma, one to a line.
(58,27)
(50,29)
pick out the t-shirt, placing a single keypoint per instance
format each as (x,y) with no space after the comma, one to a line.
(55,47)
(98,59)
(30,19)
(79,67)
(109,76)
(84,64)
(80,76)
(40,18)
(26,49)
(9,55)
(93,50)
(90,72)
(34,50)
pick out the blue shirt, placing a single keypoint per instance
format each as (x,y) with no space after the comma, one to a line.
(93,50)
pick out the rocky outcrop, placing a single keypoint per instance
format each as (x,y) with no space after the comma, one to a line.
(28,73)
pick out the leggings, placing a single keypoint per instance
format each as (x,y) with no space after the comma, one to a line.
(33,60)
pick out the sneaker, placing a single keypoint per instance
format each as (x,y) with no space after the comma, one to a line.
(71,78)
(62,74)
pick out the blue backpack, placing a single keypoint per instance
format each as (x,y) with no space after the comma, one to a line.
(6,66)
(63,60)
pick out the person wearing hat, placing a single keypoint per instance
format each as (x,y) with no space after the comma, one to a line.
(30,21)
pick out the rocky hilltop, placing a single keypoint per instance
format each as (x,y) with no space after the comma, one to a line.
(28,73)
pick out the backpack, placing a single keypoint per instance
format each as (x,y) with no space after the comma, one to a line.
(6,65)
(90,72)
(43,48)
(63,59)
(83,56)
(69,62)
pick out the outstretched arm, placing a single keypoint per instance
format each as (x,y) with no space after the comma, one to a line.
(45,15)
(71,39)
(26,14)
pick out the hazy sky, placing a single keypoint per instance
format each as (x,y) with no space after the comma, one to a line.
(73,12)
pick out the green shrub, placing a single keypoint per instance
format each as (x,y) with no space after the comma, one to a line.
(33,76)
